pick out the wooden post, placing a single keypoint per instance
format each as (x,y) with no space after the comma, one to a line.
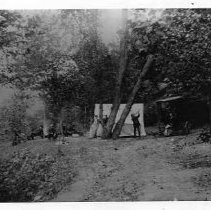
(46,121)
(158,106)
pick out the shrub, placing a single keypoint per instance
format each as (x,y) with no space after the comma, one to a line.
(205,136)
(13,118)
(29,177)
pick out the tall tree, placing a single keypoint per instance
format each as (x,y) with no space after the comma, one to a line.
(64,61)
(119,125)
(140,51)
(10,38)
(122,67)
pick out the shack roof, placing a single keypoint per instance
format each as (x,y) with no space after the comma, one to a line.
(169,99)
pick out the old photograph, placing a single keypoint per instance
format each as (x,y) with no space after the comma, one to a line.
(101,105)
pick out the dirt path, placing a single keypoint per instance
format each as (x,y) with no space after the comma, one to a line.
(132,170)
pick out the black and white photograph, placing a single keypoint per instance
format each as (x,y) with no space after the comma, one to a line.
(105,104)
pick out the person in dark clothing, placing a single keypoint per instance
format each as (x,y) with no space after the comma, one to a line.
(38,132)
(52,132)
(136,124)
(105,120)
(16,139)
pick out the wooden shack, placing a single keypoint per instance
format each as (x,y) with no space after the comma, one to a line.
(183,109)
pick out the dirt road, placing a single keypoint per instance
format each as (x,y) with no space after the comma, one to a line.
(145,169)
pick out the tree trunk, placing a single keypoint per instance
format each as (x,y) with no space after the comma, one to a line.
(122,67)
(61,119)
(101,111)
(209,98)
(158,110)
(46,121)
(118,127)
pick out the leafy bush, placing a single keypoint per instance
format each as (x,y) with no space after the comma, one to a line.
(205,136)
(13,118)
(29,177)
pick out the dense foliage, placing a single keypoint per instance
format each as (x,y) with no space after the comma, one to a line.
(180,41)
(13,115)
(61,55)
(29,177)
(205,136)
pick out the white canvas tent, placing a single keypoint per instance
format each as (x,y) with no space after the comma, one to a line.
(127,129)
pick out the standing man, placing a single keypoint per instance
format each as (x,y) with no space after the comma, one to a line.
(136,124)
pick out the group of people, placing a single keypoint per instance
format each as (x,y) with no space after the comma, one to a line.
(38,132)
(96,129)
(52,132)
